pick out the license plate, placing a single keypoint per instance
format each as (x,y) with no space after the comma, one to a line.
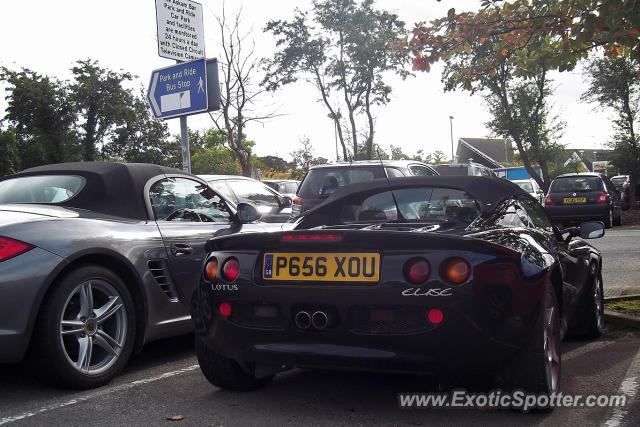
(322,267)
(570,200)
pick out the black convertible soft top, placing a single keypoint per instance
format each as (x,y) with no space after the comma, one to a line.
(487,191)
(111,188)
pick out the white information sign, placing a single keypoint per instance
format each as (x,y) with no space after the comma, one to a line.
(180,29)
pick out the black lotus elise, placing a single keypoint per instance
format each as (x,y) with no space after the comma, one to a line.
(432,275)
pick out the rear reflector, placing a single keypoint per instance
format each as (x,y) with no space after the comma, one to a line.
(315,237)
(224,309)
(10,248)
(435,316)
(548,200)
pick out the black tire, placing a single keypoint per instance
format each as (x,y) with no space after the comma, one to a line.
(590,321)
(608,219)
(60,334)
(530,370)
(225,373)
(618,221)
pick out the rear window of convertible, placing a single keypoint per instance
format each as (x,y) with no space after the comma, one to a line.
(415,204)
(40,189)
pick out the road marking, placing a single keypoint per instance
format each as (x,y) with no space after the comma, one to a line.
(95,394)
(628,387)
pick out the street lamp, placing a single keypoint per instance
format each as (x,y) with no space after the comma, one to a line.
(451,125)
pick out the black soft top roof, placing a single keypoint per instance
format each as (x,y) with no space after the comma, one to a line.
(487,191)
(111,188)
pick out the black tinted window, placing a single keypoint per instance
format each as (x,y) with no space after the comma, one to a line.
(323,181)
(576,183)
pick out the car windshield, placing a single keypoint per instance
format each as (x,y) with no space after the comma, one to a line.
(576,183)
(416,204)
(618,180)
(321,182)
(526,186)
(453,169)
(40,189)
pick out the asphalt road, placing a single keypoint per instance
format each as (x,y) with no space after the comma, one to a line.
(620,248)
(165,381)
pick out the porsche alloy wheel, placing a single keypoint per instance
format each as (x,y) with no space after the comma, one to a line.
(93,327)
(85,331)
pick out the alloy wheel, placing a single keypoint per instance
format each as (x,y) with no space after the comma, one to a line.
(93,327)
(551,343)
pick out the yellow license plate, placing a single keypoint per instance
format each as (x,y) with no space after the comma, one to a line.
(569,200)
(322,267)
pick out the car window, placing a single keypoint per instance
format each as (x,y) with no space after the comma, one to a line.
(618,180)
(183,199)
(222,187)
(323,181)
(416,204)
(394,173)
(537,215)
(576,183)
(253,192)
(40,189)
(292,187)
(526,186)
(419,170)
(509,214)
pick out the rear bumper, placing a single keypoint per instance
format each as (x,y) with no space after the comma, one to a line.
(469,339)
(23,284)
(578,213)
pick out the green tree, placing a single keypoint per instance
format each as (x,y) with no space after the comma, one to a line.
(343,47)
(573,27)
(615,85)
(139,137)
(9,158)
(101,103)
(41,115)
(303,157)
(274,163)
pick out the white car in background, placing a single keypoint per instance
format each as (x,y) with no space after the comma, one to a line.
(531,186)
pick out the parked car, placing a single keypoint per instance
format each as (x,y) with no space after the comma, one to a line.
(624,194)
(322,180)
(531,186)
(374,279)
(619,180)
(273,206)
(286,187)
(97,259)
(468,169)
(576,197)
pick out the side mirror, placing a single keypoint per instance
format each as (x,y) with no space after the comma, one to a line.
(247,213)
(285,202)
(592,230)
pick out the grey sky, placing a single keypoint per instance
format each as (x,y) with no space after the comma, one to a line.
(49,36)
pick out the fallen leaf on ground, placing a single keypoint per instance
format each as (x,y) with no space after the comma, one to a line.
(176,418)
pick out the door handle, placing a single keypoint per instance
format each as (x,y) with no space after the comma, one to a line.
(181,249)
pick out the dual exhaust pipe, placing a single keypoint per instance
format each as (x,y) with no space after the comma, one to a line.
(318,320)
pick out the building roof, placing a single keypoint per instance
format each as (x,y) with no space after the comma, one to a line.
(494,150)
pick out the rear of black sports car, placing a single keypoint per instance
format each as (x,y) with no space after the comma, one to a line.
(443,305)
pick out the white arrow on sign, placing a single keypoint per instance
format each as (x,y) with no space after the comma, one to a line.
(152,97)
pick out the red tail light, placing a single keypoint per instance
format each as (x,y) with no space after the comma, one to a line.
(231,269)
(435,316)
(456,271)
(314,236)
(604,198)
(417,271)
(10,248)
(297,201)
(224,309)
(548,200)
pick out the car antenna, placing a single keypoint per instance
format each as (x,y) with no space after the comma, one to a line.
(399,215)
